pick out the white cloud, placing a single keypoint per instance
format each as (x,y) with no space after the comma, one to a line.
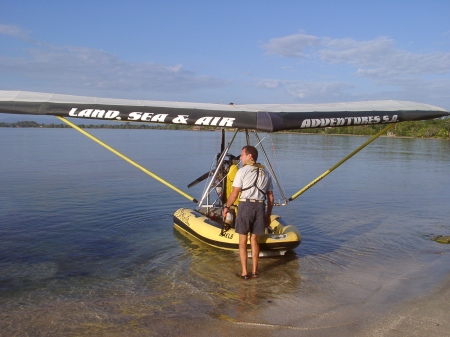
(13,31)
(270,84)
(292,45)
(400,64)
(320,91)
(377,58)
(389,71)
(363,53)
(311,91)
(91,69)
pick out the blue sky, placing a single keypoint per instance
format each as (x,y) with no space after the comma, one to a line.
(229,51)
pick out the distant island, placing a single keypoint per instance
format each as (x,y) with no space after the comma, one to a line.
(436,128)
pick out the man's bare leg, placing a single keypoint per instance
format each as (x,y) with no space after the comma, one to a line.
(243,253)
(255,253)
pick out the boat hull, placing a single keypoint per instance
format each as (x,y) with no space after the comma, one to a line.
(285,237)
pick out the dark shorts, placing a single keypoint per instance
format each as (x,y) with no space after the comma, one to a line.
(251,218)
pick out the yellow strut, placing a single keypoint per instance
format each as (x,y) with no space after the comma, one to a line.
(143,169)
(331,169)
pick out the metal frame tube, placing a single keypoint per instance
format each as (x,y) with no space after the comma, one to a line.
(219,164)
(272,172)
(331,169)
(151,174)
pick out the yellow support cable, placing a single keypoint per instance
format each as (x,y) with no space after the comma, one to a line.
(143,169)
(331,169)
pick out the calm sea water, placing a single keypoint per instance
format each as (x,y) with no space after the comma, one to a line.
(87,244)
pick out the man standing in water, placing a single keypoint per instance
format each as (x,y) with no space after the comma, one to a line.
(255,186)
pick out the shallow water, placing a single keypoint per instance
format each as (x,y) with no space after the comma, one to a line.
(87,244)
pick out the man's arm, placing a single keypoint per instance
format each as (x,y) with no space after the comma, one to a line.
(231,199)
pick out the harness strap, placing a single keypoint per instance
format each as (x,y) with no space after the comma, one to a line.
(255,184)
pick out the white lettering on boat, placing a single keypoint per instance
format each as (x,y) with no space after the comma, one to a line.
(147,117)
(215,121)
(141,116)
(94,113)
(346,121)
(181,119)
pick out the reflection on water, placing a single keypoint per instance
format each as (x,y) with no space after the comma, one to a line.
(87,244)
(279,275)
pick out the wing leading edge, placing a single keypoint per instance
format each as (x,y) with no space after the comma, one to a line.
(262,117)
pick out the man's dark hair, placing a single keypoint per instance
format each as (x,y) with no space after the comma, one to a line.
(251,150)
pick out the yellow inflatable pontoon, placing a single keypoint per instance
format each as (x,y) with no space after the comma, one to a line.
(284,237)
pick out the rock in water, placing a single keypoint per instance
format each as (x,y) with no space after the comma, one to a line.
(441,239)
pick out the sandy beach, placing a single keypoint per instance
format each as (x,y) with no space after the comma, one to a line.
(425,316)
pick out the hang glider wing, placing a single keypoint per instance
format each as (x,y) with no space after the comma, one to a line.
(262,117)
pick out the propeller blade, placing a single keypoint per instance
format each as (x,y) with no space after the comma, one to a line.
(199,179)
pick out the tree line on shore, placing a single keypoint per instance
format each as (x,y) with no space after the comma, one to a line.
(435,128)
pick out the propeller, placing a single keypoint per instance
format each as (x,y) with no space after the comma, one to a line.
(207,174)
(200,179)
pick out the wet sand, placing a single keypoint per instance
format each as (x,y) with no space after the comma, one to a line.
(428,316)
(424,316)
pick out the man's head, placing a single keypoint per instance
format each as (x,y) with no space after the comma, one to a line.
(249,153)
